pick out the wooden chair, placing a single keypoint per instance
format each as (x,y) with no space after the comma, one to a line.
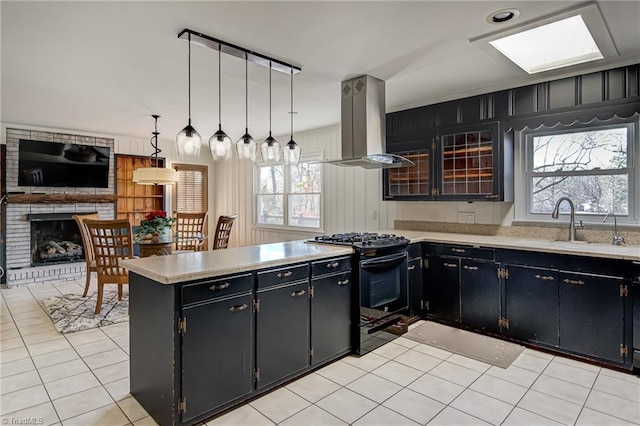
(87,247)
(190,228)
(223,230)
(112,242)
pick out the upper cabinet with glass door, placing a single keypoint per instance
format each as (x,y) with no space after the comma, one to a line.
(471,163)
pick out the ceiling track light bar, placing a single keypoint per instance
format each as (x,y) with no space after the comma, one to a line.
(239,52)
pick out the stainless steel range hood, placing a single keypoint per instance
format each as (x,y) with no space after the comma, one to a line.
(364,126)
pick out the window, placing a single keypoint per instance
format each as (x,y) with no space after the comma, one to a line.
(294,190)
(191,189)
(593,166)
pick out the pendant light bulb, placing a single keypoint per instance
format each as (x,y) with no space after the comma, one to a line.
(188,140)
(291,151)
(270,148)
(246,147)
(220,142)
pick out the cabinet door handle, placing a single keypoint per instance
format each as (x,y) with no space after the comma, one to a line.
(343,282)
(576,282)
(284,274)
(298,293)
(238,308)
(544,277)
(411,267)
(457,250)
(492,197)
(470,268)
(450,265)
(219,286)
(332,265)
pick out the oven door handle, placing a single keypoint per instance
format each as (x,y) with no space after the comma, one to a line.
(383,324)
(385,262)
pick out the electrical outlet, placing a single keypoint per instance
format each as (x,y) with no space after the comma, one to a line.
(136,216)
(464,217)
(374,214)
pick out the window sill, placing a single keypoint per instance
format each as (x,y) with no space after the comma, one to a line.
(594,226)
(288,229)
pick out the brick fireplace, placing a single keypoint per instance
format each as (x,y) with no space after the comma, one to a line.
(26,205)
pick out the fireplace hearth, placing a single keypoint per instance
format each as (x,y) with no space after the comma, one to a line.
(55,238)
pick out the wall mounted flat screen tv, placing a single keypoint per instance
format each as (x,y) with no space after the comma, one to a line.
(62,164)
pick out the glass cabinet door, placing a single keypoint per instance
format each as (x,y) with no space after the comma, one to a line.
(467,160)
(412,181)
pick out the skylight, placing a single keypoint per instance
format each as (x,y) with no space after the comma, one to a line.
(555,45)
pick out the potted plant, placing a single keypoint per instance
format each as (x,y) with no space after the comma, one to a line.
(155,226)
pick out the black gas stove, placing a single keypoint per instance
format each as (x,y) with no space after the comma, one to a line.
(368,244)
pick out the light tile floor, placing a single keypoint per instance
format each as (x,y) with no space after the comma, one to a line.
(83,379)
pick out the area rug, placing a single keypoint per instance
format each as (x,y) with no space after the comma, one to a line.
(472,345)
(72,312)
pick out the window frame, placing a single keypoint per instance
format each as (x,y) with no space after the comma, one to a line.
(525,174)
(311,158)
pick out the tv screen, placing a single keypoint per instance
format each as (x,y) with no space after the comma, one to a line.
(62,164)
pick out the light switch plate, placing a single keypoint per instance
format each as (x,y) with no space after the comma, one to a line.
(464,217)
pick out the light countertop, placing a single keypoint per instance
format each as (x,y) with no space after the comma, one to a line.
(182,267)
(579,248)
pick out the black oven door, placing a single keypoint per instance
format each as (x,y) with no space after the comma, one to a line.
(384,283)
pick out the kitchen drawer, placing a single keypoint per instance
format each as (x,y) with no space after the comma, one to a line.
(330,266)
(216,288)
(462,251)
(283,275)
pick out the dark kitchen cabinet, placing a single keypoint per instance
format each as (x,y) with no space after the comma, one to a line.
(282,324)
(591,315)
(442,288)
(480,306)
(330,315)
(207,363)
(470,162)
(531,304)
(416,287)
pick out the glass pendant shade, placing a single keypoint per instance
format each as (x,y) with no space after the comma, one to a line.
(220,145)
(291,153)
(188,142)
(246,147)
(270,149)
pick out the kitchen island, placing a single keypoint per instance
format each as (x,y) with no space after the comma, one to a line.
(211,329)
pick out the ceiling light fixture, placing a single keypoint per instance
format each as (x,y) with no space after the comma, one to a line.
(270,148)
(246,146)
(155,175)
(220,142)
(502,16)
(188,140)
(291,151)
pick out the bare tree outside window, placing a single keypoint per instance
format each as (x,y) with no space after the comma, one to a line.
(301,199)
(590,167)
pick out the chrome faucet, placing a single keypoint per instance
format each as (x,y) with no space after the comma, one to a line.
(572,220)
(618,240)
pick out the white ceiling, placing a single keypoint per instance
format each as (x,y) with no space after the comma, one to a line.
(105,67)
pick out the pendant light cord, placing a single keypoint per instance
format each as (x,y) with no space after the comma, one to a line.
(246,93)
(269,98)
(219,88)
(189,79)
(291,104)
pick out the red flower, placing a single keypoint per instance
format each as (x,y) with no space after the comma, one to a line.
(156,214)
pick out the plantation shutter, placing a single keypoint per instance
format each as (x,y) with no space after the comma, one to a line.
(191,189)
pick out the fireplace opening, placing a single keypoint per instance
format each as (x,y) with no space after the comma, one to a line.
(55,238)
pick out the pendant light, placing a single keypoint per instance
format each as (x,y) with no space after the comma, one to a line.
(155,175)
(246,147)
(291,151)
(188,140)
(220,142)
(270,148)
